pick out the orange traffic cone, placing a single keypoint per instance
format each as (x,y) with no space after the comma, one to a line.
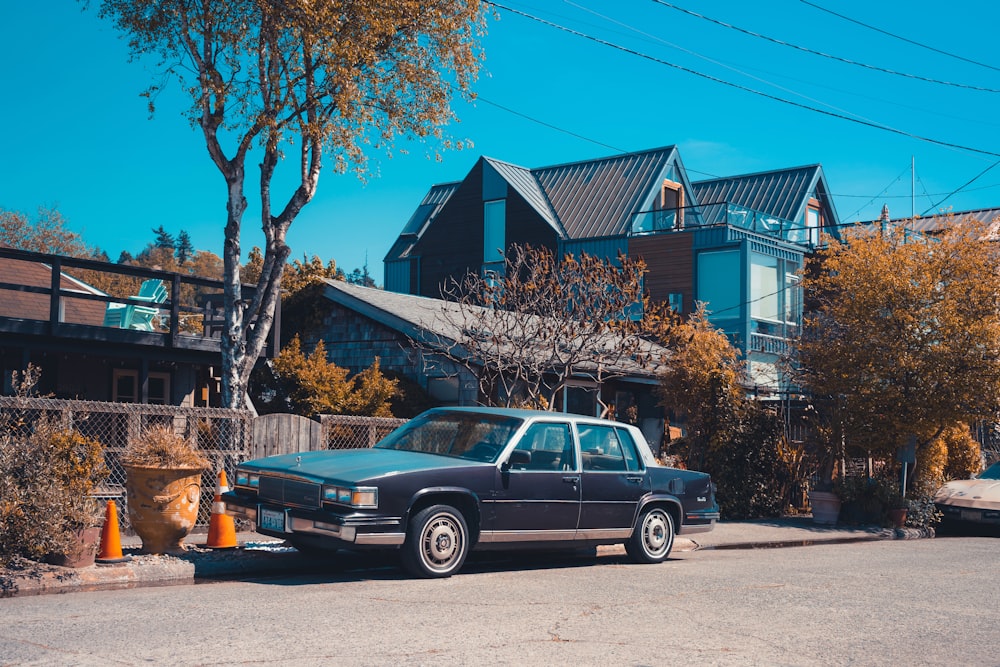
(111,540)
(221,526)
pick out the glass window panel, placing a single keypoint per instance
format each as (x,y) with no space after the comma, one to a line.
(719,283)
(812,225)
(494,228)
(765,291)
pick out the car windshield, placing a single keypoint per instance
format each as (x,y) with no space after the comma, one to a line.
(993,472)
(467,435)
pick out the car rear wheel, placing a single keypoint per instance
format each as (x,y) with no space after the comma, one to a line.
(653,537)
(437,542)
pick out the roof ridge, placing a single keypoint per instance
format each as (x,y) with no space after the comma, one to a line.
(758,173)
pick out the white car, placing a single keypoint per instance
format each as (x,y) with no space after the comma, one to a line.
(971,500)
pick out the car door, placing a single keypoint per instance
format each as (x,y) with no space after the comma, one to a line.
(613,480)
(537,497)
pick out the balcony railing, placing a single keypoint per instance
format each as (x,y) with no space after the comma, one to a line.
(709,215)
(54,295)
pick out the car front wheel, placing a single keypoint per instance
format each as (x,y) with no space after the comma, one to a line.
(653,537)
(437,542)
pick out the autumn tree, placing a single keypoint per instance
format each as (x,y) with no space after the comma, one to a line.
(298,80)
(727,432)
(903,338)
(309,385)
(45,232)
(526,333)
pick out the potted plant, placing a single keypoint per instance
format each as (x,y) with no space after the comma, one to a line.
(47,476)
(824,500)
(163,487)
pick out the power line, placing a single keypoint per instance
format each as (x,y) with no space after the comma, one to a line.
(959,189)
(901,38)
(550,125)
(814,52)
(866,123)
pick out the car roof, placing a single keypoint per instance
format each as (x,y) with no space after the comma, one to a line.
(526,414)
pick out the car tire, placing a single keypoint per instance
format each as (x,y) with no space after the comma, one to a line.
(653,537)
(437,542)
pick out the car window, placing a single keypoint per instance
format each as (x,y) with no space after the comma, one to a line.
(480,437)
(600,448)
(993,472)
(628,448)
(550,446)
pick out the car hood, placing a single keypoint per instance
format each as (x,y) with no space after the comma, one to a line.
(982,493)
(351,466)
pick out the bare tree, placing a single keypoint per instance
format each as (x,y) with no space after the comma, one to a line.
(525,333)
(304,79)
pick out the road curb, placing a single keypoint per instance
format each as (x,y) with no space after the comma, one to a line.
(254,559)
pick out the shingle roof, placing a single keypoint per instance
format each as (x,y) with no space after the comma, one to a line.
(936,223)
(35,306)
(425,318)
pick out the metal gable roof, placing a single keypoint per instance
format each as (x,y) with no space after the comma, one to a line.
(524,182)
(782,193)
(429,207)
(599,197)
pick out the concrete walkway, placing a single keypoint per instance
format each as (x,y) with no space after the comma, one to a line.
(258,554)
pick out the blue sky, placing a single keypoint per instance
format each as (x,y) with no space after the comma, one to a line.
(77,136)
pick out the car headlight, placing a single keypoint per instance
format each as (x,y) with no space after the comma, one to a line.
(363,497)
(247,478)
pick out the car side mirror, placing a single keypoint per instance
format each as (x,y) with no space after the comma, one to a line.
(519,458)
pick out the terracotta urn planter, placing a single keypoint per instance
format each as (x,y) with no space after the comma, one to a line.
(825,507)
(81,553)
(897,517)
(162,505)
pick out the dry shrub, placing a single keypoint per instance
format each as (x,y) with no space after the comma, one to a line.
(161,447)
(46,477)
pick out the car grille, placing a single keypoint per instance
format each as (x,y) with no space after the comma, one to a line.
(289,492)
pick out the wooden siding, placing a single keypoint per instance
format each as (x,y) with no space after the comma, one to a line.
(453,244)
(353,341)
(670,260)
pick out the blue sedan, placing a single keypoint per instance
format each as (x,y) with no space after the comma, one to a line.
(456,479)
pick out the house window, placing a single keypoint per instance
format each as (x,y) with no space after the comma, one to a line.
(676,302)
(125,387)
(765,293)
(494,233)
(719,283)
(669,210)
(814,221)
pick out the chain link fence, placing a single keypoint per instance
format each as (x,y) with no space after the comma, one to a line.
(223,436)
(347,432)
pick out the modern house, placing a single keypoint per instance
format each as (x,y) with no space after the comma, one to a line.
(734,244)
(153,346)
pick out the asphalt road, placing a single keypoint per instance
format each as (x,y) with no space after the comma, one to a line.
(913,602)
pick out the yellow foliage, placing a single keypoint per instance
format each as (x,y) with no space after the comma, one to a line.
(904,332)
(314,386)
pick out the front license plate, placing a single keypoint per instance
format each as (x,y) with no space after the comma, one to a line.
(971,515)
(271,520)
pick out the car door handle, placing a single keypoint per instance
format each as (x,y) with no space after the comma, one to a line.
(571,479)
(634,478)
